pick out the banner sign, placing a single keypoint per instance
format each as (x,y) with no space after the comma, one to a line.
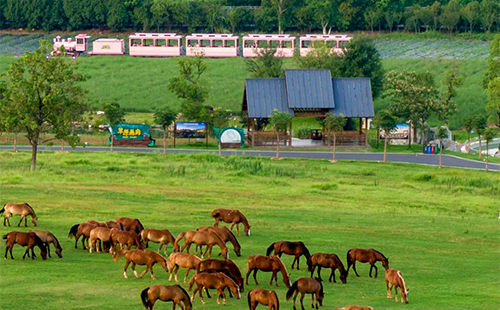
(190,130)
(402,131)
(131,131)
(229,136)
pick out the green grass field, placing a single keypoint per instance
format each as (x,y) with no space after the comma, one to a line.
(439,227)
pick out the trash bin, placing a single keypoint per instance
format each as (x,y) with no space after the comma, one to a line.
(431,149)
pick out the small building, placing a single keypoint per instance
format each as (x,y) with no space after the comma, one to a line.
(308,93)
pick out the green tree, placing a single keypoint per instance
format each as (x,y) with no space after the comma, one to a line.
(372,17)
(451,15)
(436,9)
(489,13)
(347,12)
(323,14)
(386,122)
(43,94)
(114,113)
(472,14)
(489,135)
(442,133)
(237,17)
(160,11)
(117,15)
(480,124)
(334,125)
(219,118)
(493,62)
(164,117)
(468,126)
(447,106)
(412,16)
(392,17)
(493,105)
(279,121)
(321,57)
(266,64)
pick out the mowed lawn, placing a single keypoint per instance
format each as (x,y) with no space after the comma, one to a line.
(439,227)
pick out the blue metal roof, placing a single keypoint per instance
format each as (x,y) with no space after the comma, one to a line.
(353,97)
(265,95)
(309,89)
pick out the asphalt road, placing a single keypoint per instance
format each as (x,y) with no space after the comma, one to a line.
(423,159)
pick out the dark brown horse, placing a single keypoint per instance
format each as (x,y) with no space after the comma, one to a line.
(305,286)
(125,239)
(79,230)
(48,238)
(235,217)
(27,239)
(131,224)
(263,297)
(162,236)
(366,256)
(267,264)
(22,209)
(328,261)
(394,278)
(174,293)
(222,264)
(140,257)
(216,281)
(291,248)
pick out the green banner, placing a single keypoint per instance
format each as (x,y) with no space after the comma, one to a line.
(131,131)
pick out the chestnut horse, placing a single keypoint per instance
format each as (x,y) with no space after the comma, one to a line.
(328,261)
(223,264)
(311,286)
(125,239)
(263,297)
(353,307)
(178,259)
(393,278)
(22,209)
(216,281)
(174,293)
(366,256)
(267,264)
(131,224)
(140,257)
(291,248)
(27,239)
(224,271)
(207,238)
(48,238)
(79,230)
(98,235)
(162,236)
(226,236)
(235,217)
(98,224)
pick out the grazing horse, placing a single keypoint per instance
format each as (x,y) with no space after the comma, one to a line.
(353,307)
(98,224)
(140,257)
(174,293)
(226,235)
(328,261)
(218,281)
(131,224)
(22,209)
(224,271)
(79,230)
(263,297)
(163,236)
(267,264)
(311,286)
(207,238)
(393,278)
(235,217)
(27,239)
(48,238)
(366,256)
(116,225)
(98,235)
(125,239)
(291,248)
(178,259)
(223,264)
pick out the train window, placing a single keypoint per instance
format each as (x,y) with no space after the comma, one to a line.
(217,43)
(148,42)
(275,43)
(79,41)
(229,43)
(286,44)
(173,43)
(249,43)
(160,42)
(261,43)
(306,44)
(343,44)
(192,43)
(136,42)
(205,43)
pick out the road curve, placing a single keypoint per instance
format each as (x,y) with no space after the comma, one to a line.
(423,159)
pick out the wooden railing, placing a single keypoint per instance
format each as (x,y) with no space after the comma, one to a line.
(348,138)
(266,138)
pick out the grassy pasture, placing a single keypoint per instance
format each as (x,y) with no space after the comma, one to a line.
(439,227)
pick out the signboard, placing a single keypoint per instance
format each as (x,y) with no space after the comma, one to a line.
(190,130)
(230,136)
(400,135)
(131,131)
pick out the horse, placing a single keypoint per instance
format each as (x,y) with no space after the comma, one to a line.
(22,209)
(223,264)
(263,297)
(366,256)
(131,224)
(125,239)
(207,238)
(394,278)
(216,281)
(311,286)
(291,248)
(225,271)
(235,217)
(97,235)
(226,235)
(353,307)
(140,257)
(178,259)
(27,239)
(116,225)
(328,261)
(48,238)
(174,293)
(98,224)
(79,230)
(163,236)
(267,264)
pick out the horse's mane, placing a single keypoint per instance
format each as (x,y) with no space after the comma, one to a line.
(30,208)
(140,224)
(321,293)
(39,243)
(379,253)
(157,256)
(58,245)
(231,234)
(186,294)
(235,284)
(282,266)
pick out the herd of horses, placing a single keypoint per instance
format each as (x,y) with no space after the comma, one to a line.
(119,236)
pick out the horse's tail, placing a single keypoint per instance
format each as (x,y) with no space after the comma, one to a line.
(249,299)
(291,290)
(187,296)
(191,283)
(141,227)
(215,213)
(321,293)
(73,230)
(5,236)
(118,254)
(270,249)
(3,209)
(179,238)
(145,298)
(349,260)
(277,301)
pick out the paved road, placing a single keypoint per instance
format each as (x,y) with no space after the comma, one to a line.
(448,160)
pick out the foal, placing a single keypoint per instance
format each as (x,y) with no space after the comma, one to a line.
(174,293)
(49,238)
(235,217)
(305,286)
(263,297)
(393,278)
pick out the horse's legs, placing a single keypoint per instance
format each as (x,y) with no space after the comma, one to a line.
(248,274)
(200,290)
(187,274)
(26,221)
(151,271)
(272,278)
(396,293)
(376,270)
(255,276)
(22,217)
(210,252)
(312,301)
(298,260)
(319,273)
(389,293)
(302,295)
(237,229)
(159,249)
(294,299)
(206,250)
(232,225)
(26,252)
(216,224)
(10,248)
(332,275)
(48,249)
(312,272)
(354,268)
(125,269)
(293,262)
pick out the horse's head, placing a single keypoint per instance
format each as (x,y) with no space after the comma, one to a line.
(59,252)
(320,298)
(247,230)
(404,295)
(236,291)
(43,253)
(287,281)
(343,277)
(34,219)
(385,263)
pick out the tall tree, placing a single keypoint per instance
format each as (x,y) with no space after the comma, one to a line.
(392,17)
(489,135)
(164,117)
(451,15)
(493,62)
(114,113)
(266,64)
(219,118)
(279,122)
(386,122)
(334,125)
(493,105)
(447,105)
(442,133)
(480,124)
(347,12)
(372,17)
(468,126)
(43,94)
(321,57)
(472,14)
(489,12)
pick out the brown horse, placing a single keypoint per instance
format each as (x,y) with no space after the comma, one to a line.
(131,224)
(263,297)
(235,217)
(178,259)
(353,307)
(125,239)
(291,248)
(116,225)
(226,236)
(140,257)
(366,256)
(267,264)
(27,239)
(48,238)
(328,261)
(162,236)
(98,235)
(393,278)
(22,209)
(224,271)
(311,286)
(97,224)
(207,238)
(174,293)
(223,264)
(218,281)
(79,230)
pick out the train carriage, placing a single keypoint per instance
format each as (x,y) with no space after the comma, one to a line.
(212,45)
(336,42)
(284,44)
(155,44)
(108,47)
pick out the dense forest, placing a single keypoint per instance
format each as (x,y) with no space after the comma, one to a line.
(252,15)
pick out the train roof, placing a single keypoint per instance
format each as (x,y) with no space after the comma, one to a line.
(211,36)
(268,36)
(325,37)
(142,35)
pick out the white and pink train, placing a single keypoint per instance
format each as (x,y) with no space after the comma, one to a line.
(210,44)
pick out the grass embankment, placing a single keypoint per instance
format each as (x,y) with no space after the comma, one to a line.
(439,227)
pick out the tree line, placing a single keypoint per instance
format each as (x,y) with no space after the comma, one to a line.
(252,15)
